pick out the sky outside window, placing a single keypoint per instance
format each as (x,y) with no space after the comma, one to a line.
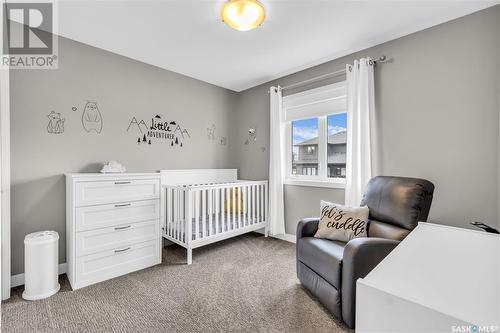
(307,129)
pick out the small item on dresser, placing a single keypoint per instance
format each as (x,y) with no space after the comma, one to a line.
(113,167)
(342,223)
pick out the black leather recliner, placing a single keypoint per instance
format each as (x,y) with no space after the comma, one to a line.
(329,269)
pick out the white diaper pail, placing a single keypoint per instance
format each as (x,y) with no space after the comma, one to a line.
(41,265)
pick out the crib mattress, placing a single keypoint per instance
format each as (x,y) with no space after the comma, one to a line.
(223,226)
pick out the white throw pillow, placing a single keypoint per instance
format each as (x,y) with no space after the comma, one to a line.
(342,223)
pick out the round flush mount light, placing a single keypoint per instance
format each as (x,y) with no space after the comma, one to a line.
(243,15)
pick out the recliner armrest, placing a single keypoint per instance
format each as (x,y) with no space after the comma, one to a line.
(307,227)
(361,255)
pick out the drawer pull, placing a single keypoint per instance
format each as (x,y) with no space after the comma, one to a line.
(122,228)
(122,183)
(123,205)
(123,250)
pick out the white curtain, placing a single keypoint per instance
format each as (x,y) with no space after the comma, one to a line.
(276,165)
(360,121)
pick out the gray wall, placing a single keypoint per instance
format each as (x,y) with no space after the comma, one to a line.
(122,88)
(438,118)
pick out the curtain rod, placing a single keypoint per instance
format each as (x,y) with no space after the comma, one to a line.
(382,59)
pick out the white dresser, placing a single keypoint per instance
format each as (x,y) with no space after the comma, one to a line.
(112,225)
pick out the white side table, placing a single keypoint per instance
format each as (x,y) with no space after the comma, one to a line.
(439,279)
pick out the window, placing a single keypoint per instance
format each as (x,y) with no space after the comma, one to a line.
(337,145)
(305,141)
(316,130)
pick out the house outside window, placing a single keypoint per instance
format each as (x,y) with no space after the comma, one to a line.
(316,136)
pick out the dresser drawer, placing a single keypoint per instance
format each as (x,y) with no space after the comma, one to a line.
(101,216)
(102,192)
(98,240)
(108,264)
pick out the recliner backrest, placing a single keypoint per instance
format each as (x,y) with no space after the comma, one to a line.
(396,205)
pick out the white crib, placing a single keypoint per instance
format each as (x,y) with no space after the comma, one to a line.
(209,205)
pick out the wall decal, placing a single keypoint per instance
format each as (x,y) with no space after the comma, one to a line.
(262,149)
(252,136)
(91,118)
(158,130)
(143,140)
(141,126)
(211,132)
(223,141)
(74,108)
(56,123)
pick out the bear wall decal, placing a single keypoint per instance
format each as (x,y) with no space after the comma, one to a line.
(91,118)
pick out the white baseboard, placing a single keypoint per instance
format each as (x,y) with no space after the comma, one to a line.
(286,237)
(18,279)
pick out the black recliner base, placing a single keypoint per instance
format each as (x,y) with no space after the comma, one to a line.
(327,294)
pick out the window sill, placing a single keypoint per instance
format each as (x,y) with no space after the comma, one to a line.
(315,183)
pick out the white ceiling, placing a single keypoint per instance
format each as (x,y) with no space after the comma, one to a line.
(187,37)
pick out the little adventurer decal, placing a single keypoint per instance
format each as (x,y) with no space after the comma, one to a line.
(157,129)
(337,221)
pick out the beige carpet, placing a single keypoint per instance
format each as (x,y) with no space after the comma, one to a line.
(245,284)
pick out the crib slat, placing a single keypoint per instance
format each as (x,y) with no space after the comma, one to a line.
(254,218)
(175,212)
(196,214)
(222,208)
(249,205)
(180,209)
(172,210)
(204,212)
(217,195)
(183,215)
(258,203)
(210,212)
(233,224)
(187,205)
(228,208)
(239,206)
(245,205)
(167,211)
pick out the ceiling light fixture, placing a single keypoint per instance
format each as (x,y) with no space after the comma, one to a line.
(243,15)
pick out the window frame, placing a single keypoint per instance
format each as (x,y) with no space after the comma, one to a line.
(328,93)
